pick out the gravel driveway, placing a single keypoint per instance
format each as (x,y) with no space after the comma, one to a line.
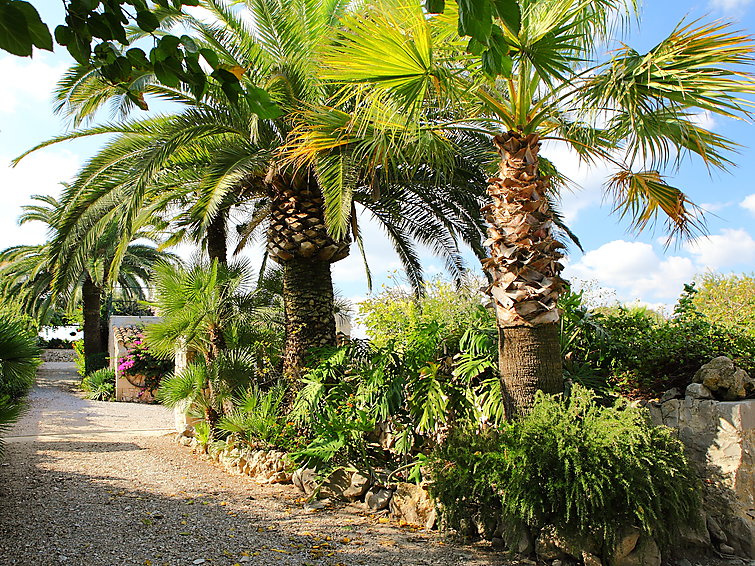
(87,483)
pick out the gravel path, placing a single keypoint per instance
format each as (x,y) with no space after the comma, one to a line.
(87,483)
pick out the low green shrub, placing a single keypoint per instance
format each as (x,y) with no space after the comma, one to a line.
(639,353)
(99,385)
(587,468)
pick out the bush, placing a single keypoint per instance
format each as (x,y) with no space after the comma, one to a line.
(99,385)
(573,463)
(56,344)
(642,354)
(19,358)
(727,300)
(139,361)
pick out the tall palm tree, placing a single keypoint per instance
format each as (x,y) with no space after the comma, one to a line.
(214,155)
(39,278)
(635,111)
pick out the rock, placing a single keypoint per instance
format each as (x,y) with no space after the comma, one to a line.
(557,563)
(335,485)
(726,549)
(694,534)
(683,562)
(518,538)
(725,380)
(378,498)
(698,391)
(413,504)
(673,393)
(498,543)
(716,532)
(591,560)
(553,543)
(626,541)
(304,479)
(358,486)
(646,553)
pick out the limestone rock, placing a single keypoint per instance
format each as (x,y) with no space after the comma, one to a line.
(591,560)
(518,538)
(673,393)
(378,498)
(413,504)
(358,486)
(698,391)
(304,479)
(646,553)
(553,543)
(725,380)
(726,549)
(715,530)
(626,541)
(335,485)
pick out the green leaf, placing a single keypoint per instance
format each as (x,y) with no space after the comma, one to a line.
(14,31)
(99,26)
(116,26)
(262,105)
(189,44)
(167,47)
(80,49)
(476,19)
(435,6)
(138,58)
(210,56)
(166,75)
(147,21)
(508,11)
(138,99)
(38,31)
(63,35)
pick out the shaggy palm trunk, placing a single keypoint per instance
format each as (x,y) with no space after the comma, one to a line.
(95,352)
(525,270)
(217,239)
(217,345)
(298,240)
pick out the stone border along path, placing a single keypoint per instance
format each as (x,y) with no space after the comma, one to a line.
(88,483)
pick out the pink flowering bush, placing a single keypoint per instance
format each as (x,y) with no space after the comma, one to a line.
(139,361)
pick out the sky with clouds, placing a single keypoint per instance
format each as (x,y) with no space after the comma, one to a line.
(633,267)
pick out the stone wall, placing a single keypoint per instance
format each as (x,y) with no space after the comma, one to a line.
(720,441)
(58,355)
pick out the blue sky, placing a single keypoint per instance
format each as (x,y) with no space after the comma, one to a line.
(628,266)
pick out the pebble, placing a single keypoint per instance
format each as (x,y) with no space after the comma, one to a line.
(199,561)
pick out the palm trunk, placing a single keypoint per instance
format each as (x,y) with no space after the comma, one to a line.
(525,271)
(310,323)
(217,239)
(94,352)
(298,240)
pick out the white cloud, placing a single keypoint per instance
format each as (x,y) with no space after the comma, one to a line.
(718,206)
(635,270)
(730,7)
(704,119)
(729,248)
(27,82)
(39,173)
(749,203)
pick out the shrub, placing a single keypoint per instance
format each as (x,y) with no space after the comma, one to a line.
(99,385)
(586,468)
(727,300)
(140,361)
(643,354)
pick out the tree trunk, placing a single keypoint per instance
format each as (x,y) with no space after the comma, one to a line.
(298,240)
(529,359)
(310,323)
(94,353)
(525,271)
(217,239)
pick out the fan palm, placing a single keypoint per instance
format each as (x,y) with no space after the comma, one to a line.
(636,111)
(213,156)
(40,279)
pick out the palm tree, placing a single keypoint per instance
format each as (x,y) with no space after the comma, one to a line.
(635,111)
(39,278)
(214,156)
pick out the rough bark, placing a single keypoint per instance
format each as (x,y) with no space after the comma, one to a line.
(308,299)
(95,352)
(217,240)
(298,240)
(529,359)
(525,270)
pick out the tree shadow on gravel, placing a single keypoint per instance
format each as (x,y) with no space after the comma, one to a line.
(146,510)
